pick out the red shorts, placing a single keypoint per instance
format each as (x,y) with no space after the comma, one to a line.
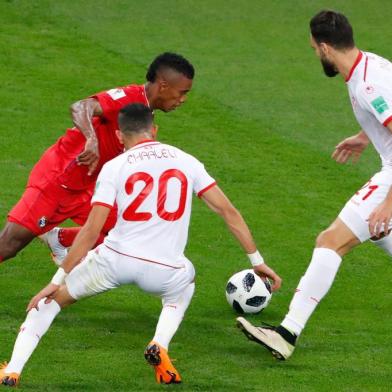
(45,204)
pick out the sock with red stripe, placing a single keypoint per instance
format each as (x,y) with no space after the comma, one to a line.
(171,317)
(67,236)
(313,286)
(35,326)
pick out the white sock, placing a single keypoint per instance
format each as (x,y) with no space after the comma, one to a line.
(313,286)
(384,243)
(171,317)
(31,331)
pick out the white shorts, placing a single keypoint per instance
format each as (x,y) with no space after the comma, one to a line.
(103,269)
(356,212)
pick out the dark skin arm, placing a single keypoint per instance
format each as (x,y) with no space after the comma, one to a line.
(82,113)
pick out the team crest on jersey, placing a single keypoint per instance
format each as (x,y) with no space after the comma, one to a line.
(369,89)
(380,105)
(116,93)
(42,221)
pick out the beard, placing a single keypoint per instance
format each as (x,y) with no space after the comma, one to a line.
(329,68)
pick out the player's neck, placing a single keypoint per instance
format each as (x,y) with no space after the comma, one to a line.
(346,60)
(132,141)
(150,94)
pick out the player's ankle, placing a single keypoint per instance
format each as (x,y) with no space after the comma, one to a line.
(289,336)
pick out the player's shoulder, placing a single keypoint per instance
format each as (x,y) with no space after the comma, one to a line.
(377,75)
(378,70)
(115,164)
(181,153)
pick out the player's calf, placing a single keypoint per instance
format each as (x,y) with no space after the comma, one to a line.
(13,238)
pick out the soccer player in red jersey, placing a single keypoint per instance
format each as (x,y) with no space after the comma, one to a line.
(61,184)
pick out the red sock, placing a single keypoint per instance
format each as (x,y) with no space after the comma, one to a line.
(67,235)
(1,259)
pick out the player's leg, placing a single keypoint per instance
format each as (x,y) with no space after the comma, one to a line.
(331,245)
(31,331)
(175,301)
(34,214)
(13,238)
(175,285)
(349,229)
(92,276)
(156,353)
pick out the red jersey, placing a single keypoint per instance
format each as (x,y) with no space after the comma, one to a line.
(60,159)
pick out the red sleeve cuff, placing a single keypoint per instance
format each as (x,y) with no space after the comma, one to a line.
(200,193)
(99,203)
(103,101)
(387,121)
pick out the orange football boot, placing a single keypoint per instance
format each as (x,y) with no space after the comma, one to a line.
(9,379)
(165,372)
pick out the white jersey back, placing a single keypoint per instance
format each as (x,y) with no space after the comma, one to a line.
(370,89)
(152,185)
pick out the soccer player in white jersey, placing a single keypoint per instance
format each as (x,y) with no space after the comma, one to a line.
(152,185)
(367,215)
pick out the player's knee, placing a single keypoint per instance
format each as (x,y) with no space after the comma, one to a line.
(11,244)
(328,239)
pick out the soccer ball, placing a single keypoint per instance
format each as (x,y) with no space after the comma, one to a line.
(246,292)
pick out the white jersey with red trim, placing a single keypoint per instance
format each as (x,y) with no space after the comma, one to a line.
(152,184)
(370,89)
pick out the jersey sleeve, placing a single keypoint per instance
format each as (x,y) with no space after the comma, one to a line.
(376,99)
(105,188)
(202,181)
(112,101)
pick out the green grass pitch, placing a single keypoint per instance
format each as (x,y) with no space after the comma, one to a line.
(264,120)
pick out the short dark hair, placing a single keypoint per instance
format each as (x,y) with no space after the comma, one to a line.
(135,118)
(332,28)
(171,61)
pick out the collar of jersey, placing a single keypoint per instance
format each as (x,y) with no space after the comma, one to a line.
(357,61)
(145,141)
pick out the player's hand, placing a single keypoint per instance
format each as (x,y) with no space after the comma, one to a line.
(380,218)
(351,147)
(90,155)
(266,272)
(46,292)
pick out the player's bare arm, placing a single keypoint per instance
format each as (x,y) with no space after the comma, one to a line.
(82,113)
(84,241)
(87,237)
(351,147)
(219,203)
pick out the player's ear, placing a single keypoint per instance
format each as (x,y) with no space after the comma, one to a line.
(163,85)
(119,136)
(324,48)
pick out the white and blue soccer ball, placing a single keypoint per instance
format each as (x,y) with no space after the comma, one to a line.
(247,292)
